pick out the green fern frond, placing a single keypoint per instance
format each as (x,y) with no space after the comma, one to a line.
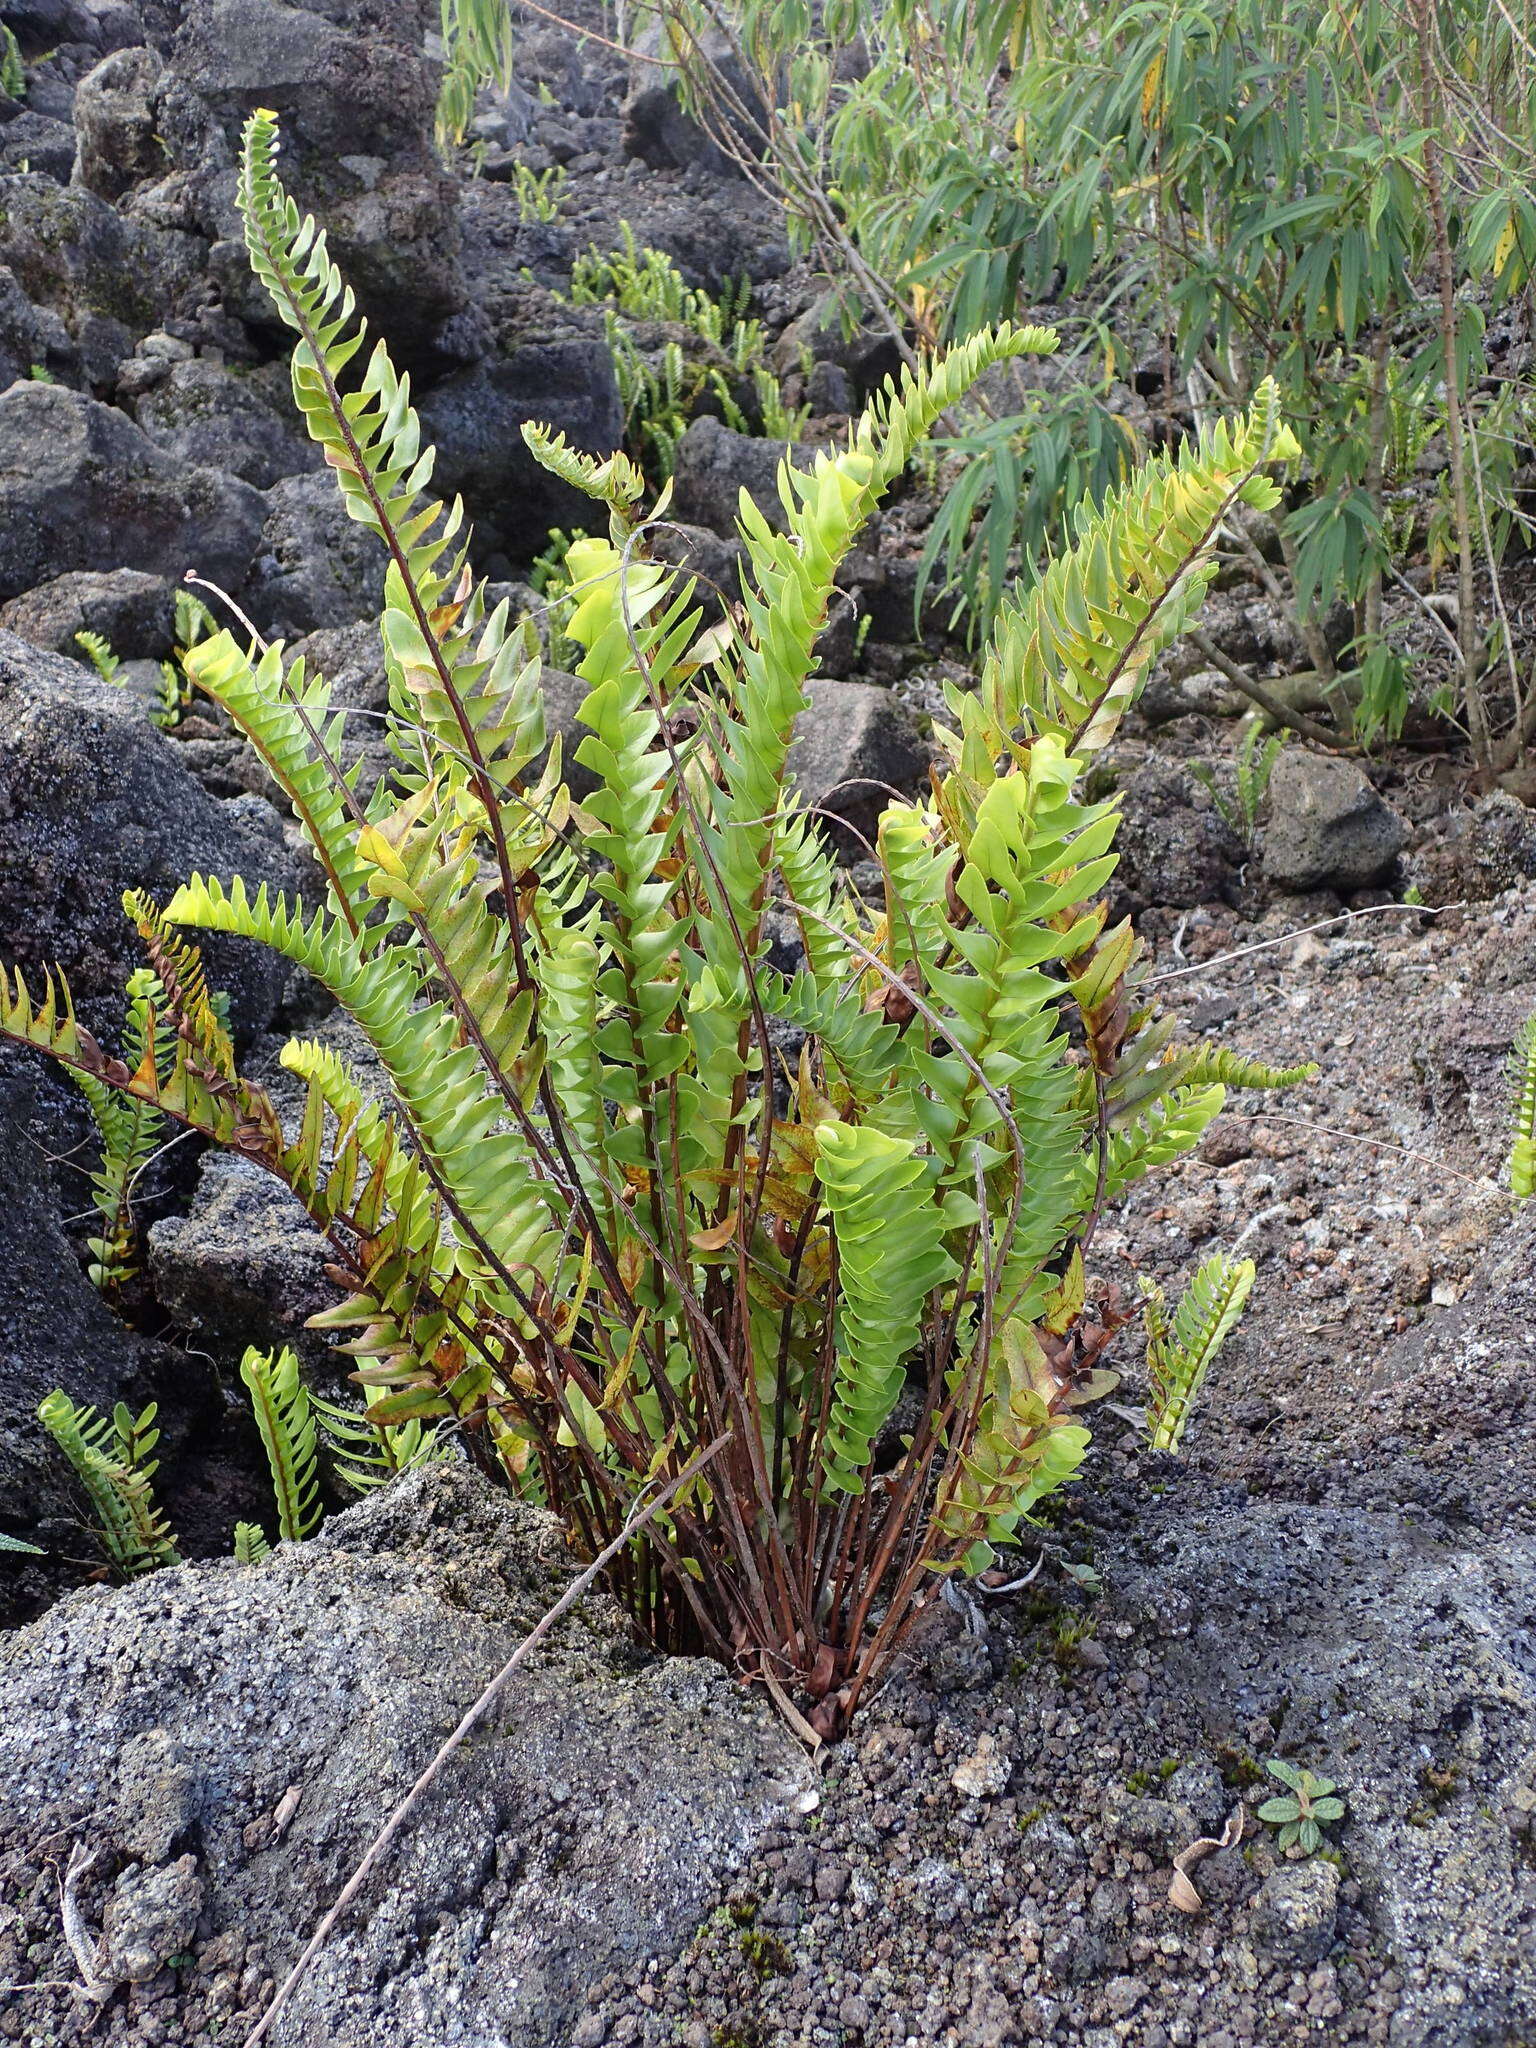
(1210,1064)
(251,1545)
(367,1454)
(111,1459)
(891,1259)
(15,1543)
(613,480)
(285,1419)
(1522,1074)
(1073,656)
(13,73)
(130,1128)
(98,650)
(1180,1350)
(478,49)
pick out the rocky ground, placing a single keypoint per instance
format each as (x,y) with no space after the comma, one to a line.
(1341,1571)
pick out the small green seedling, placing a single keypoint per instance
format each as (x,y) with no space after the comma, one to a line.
(1303,1812)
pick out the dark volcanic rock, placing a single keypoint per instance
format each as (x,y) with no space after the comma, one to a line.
(855,746)
(94,800)
(107,277)
(115,121)
(475,419)
(82,488)
(1175,846)
(54,1327)
(715,465)
(587,1828)
(201,413)
(316,566)
(1328,829)
(355,92)
(135,613)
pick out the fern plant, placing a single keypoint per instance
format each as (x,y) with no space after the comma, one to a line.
(113,1460)
(599,1225)
(98,651)
(130,1129)
(1181,1348)
(13,73)
(1522,1075)
(1257,753)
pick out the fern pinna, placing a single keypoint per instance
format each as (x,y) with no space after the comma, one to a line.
(600,1218)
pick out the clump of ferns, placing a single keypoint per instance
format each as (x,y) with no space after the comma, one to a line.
(662,387)
(112,1459)
(581,1229)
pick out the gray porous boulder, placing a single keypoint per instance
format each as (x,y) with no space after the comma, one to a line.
(354,92)
(475,418)
(82,488)
(315,567)
(715,465)
(245,425)
(134,612)
(118,145)
(54,1326)
(95,800)
(245,1731)
(854,747)
(1328,829)
(107,277)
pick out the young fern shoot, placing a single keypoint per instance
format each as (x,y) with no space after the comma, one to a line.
(285,1420)
(585,1231)
(1182,1348)
(1522,1075)
(113,1460)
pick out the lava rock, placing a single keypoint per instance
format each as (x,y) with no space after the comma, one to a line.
(1175,846)
(151,1916)
(32,338)
(115,120)
(201,413)
(55,1327)
(354,91)
(38,143)
(1482,853)
(244,1265)
(587,1829)
(82,488)
(133,612)
(94,800)
(315,566)
(1294,1914)
(854,747)
(475,418)
(659,130)
(108,277)
(715,465)
(1328,829)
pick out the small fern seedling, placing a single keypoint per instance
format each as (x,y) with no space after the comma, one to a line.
(285,1419)
(98,650)
(112,1458)
(13,73)
(1255,763)
(1522,1075)
(251,1545)
(130,1130)
(1181,1348)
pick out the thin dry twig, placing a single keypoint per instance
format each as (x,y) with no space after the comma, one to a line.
(639,1516)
